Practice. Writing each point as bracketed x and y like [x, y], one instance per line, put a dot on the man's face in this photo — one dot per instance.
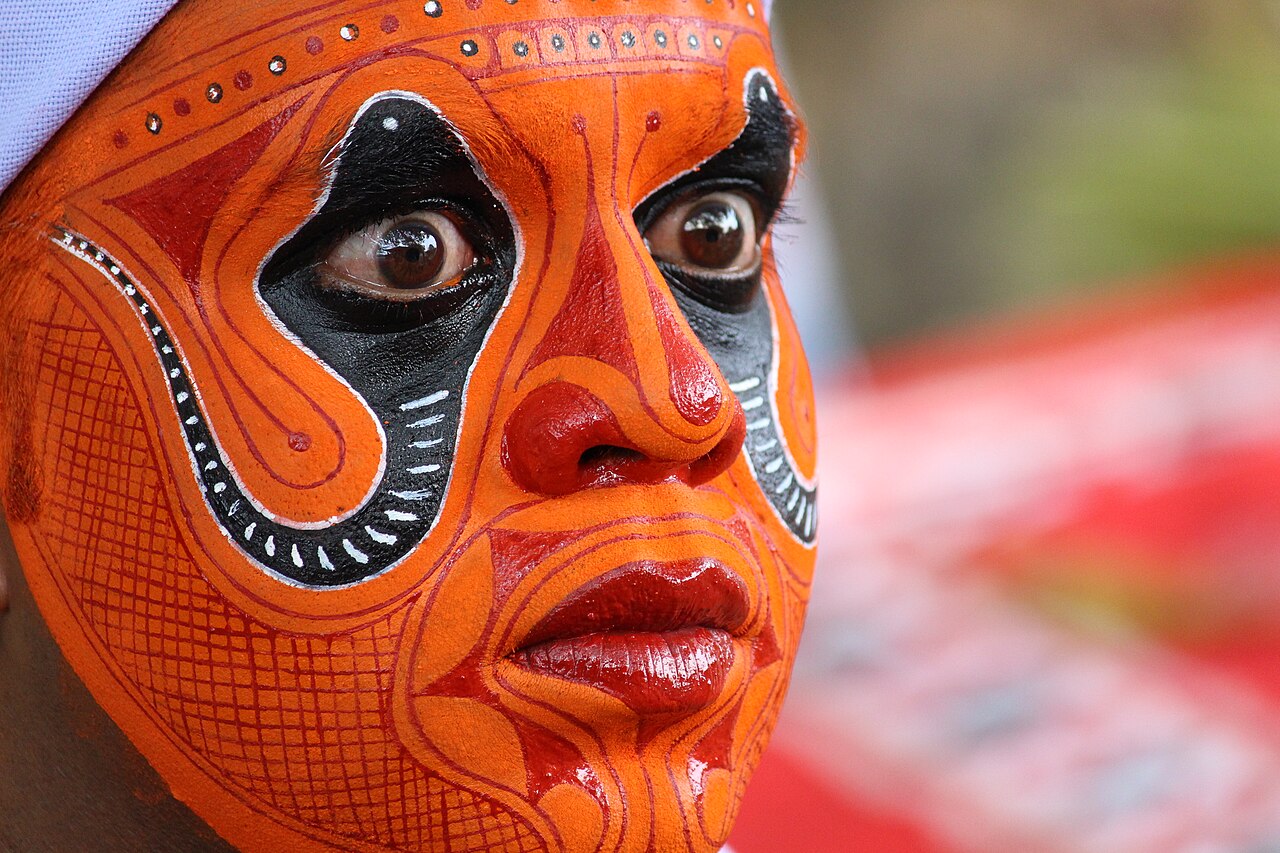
[419, 451]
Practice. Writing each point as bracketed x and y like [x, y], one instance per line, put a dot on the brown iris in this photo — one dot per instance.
[401, 259]
[712, 236]
[713, 232]
[410, 255]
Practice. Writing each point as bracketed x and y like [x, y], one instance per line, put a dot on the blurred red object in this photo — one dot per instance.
[1047, 614]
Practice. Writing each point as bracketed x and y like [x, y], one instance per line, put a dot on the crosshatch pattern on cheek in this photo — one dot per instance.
[285, 729]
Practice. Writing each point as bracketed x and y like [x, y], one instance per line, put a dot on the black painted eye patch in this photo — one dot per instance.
[759, 160]
[741, 340]
[409, 363]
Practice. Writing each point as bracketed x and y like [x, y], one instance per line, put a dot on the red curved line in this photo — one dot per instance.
[522, 603]
[275, 39]
[99, 645]
[196, 536]
[628, 230]
[457, 768]
[199, 345]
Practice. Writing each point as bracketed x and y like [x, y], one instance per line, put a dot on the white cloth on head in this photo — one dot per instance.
[53, 54]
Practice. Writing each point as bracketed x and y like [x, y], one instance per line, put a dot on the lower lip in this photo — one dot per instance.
[653, 673]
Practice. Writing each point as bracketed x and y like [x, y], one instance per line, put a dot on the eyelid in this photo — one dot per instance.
[674, 194]
[350, 263]
[664, 237]
[360, 219]
[690, 196]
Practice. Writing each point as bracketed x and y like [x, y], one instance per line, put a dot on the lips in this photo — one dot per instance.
[657, 636]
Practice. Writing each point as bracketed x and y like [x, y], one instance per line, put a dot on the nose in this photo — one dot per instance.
[563, 438]
[620, 390]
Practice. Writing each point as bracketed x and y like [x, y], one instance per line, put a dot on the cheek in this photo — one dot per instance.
[199, 684]
[796, 412]
[759, 354]
[580, 753]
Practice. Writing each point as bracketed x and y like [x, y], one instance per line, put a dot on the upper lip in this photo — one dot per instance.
[649, 596]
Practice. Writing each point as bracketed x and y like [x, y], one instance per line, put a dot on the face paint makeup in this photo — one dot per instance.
[414, 449]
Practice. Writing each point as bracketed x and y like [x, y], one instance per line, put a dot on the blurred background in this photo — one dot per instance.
[977, 156]
[1038, 271]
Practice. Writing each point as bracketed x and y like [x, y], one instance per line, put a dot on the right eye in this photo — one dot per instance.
[712, 233]
[402, 259]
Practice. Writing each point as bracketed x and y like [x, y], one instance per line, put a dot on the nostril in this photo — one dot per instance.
[607, 455]
[611, 465]
[562, 438]
[723, 454]
[605, 464]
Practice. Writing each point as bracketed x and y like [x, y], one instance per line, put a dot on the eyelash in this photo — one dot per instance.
[477, 233]
[489, 256]
[469, 221]
[656, 205]
[785, 213]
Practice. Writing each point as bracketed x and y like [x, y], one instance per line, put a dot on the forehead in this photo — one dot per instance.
[530, 59]
[271, 91]
[481, 37]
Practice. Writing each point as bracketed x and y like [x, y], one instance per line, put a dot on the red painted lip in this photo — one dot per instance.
[658, 636]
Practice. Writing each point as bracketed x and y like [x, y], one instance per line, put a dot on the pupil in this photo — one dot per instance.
[713, 236]
[410, 255]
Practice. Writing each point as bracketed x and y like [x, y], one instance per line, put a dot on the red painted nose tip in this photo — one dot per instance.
[562, 438]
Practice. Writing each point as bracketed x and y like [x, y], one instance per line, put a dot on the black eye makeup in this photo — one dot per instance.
[705, 232]
[394, 283]
[408, 232]
[705, 229]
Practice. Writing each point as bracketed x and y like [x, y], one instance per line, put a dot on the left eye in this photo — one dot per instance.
[713, 232]
[402, 259]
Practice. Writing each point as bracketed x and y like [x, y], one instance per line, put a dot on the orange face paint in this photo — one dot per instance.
[416, 450]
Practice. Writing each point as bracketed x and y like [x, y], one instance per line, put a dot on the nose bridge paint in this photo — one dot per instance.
[610, 300]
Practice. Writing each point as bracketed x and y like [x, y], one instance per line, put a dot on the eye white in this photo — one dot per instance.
[684, 234]
[401, 259]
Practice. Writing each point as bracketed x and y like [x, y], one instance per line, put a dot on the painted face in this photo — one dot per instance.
[414, 450]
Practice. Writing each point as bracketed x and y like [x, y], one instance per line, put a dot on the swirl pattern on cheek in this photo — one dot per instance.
[515, 559]
[416, 401]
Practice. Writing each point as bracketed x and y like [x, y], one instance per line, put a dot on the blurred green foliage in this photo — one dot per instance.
[1176, 163]
[981, 156]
